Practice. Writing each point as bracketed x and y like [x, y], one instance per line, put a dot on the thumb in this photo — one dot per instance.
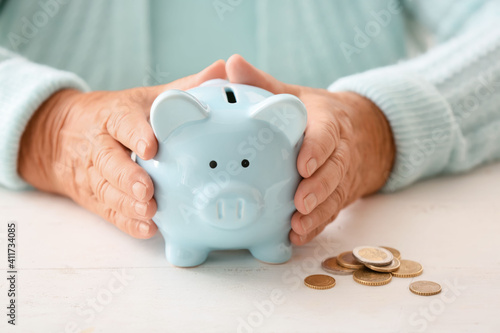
[240, 71]
[216, 70]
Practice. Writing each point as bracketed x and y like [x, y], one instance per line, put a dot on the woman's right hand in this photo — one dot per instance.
[78, 145]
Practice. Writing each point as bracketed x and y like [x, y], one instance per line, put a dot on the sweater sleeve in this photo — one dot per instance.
[24, 86]
[443, 106]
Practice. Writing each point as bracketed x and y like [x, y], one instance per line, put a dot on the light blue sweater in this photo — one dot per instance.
[443, 105]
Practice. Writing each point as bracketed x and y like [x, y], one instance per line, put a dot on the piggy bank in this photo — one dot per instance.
[225, 173]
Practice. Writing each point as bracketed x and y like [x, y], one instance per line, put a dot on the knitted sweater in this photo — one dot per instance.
[442, 102]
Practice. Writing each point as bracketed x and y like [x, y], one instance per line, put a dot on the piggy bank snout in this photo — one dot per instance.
[234, 207]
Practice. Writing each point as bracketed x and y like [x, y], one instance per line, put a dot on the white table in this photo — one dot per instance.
[76, 270]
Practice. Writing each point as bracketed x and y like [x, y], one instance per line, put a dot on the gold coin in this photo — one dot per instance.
[425, 288]
[394, 252]
[319, 281]
[347, 260]
[408, 268]
[331, 266]
[371, 278]
[394, 265]
[372, 255]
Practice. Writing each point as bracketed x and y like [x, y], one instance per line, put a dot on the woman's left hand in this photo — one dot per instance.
[347, 153]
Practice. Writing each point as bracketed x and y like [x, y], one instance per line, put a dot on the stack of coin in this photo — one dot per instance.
[374, 266]
[379, 263]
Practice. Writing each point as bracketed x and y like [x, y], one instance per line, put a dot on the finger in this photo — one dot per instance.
[216, 70]
[240, 71]
[304, 224]
[305, 229]
[301, 240]
[312, 191]
[321, 137]
[115, 165]
[131, 129]
[119, 201]
[135, 228]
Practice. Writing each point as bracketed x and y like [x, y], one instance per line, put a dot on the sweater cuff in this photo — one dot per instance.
[421, 120]
[23, 88]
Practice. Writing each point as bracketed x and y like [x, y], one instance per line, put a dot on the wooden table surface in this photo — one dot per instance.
[77, 273]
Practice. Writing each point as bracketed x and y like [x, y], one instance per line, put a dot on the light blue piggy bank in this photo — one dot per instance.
[225, 174]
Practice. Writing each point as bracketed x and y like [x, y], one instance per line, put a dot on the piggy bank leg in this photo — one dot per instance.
[183, 256]
[273, 252]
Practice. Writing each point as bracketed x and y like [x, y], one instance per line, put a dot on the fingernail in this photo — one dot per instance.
[141, 147]
[139, 190]
[306, 223]
[302, 238]
[311, 166]
[141, 208]
[144, 228]
[310, 202]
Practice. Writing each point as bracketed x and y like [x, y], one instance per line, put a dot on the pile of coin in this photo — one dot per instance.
[372, 266]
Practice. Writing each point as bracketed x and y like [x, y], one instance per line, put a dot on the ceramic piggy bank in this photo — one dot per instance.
[225, 173]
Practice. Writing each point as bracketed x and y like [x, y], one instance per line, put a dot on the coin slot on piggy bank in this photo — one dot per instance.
[230, 95]
[225, 173]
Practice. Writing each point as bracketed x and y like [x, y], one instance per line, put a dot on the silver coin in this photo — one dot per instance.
[373, 255]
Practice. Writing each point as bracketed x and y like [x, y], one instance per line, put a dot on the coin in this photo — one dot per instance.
[408, 268]
[371, 278]
[372, 255]
[394, 252]
[331, 266]
[319, 281]
[425, 288]
[394, 265]
[347, 260]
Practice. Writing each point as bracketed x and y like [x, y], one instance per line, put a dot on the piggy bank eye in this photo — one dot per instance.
[213, 164]
[245, 163]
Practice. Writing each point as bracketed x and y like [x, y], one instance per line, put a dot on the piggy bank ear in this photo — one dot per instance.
[285, 112]
[172, 109]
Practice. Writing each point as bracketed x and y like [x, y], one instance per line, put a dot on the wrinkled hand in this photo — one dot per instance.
[78, 145]
[347, 153]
